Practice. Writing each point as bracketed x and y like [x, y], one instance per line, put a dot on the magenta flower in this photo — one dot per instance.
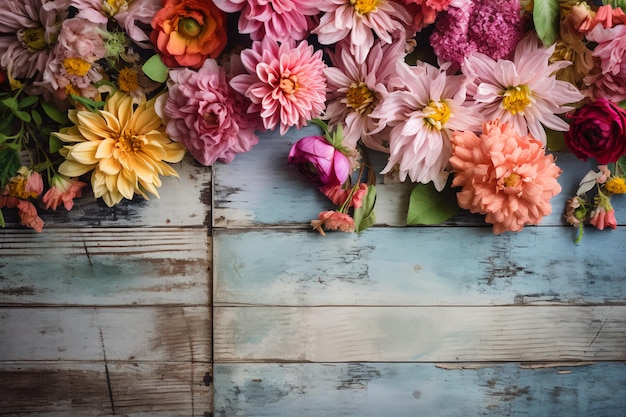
[285, 83]
[63, 191]
[597, 130]
[279, 20]
[319, 161]
[206, 115]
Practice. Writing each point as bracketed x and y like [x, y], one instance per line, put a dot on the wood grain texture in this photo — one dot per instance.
[409, 390]
[419, 334]
[61, 389]
[260, 188]
[419, 266]
[161, 333]
[105, 266]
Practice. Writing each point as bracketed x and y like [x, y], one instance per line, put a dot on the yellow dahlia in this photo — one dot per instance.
[126, 147]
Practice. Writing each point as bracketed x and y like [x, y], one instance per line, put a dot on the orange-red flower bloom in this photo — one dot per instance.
[187, 32]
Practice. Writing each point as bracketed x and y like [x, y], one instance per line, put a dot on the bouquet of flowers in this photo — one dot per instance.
[465, 98]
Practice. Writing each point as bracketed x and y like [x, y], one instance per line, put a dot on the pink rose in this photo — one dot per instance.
[598, 130]
[319, 161]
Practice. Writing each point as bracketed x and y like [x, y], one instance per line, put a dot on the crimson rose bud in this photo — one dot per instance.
[319, 161]
[598, 130]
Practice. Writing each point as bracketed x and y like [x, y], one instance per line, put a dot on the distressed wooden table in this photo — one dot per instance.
[219, 300]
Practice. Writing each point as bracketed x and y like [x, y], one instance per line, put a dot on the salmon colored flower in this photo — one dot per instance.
[333, 220]
[187, 32]
[63, 191]
[503, 175]
[602, 218]
[26, 211]
[26, 184]
[124, 145]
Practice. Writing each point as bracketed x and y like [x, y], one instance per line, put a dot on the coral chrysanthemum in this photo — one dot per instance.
[285, 83]
[125, 146]
[524, 92]
[506, 176]
[423, 114]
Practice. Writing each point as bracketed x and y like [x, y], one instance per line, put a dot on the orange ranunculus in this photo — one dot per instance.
[187, 32]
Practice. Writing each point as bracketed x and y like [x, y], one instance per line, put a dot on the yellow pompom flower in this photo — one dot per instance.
[125, 146]
[616, 185]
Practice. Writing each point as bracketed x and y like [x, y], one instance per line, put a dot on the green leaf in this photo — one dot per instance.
[621, 166]
[54, 113]
[28, 101]
[54, 143]
[156, 69]
[1, 219]
[22, 115]
[36, 118]
[429, 206]
[546, 15]
[556, 140]
[10, 103]
[365, 216]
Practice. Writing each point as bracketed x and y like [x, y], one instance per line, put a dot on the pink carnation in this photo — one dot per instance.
[63, 191]
[285, 83]
[602, 218]
[333, 220]
[206, 115]
[26, 211]
[504, 175]
[610, 81]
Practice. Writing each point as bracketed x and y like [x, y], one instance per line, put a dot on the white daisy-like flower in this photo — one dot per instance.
[524, 92]
[424, 113]
[361, 20]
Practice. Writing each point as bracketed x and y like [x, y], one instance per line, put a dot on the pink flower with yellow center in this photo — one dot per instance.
[503, 175]
[285, 83]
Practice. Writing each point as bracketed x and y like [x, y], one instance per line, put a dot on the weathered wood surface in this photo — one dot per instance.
[108, 311]
[409, 390]
[440, 320]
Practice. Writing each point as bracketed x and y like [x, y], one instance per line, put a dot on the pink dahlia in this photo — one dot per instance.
[285, 83]
[354, 91]
[28, 31]
[280, 20]
[206, 115]
[610, 81]
[504, 175]
[491, 27]
[423, 113]
[361, 21]
[129, 14]
[523, 92]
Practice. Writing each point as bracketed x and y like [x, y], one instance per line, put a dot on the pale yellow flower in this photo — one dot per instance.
[126, 147]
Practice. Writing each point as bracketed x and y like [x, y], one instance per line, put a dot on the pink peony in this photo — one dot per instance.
[206, 115]
[63, 190]
[279, 20]
[597, 130]
[610, 81]
[319, 161]
[285, 83]
[504, 175]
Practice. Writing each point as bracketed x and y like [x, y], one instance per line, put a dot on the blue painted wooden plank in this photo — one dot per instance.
[419, 266]
[409, 390]
[261, 188]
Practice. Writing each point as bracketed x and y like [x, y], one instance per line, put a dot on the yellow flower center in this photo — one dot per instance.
[129, 142]
[289, 84]
[34, 38]
[616, 185]
[127, 80]
[516, 99]
[364, 7]
[17, 188]
[360, 97]
[70, 90]
[437, 114]
[113, 7]
[76, 66]
[189, 27]
[512, 180]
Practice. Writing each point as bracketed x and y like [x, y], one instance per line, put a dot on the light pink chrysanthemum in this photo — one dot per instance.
[361, 20]
[28, 31]
[285, 83]
[610, 80]
[523, 92]
[129, 14]
[423, 115]
[280, 20]
[354, 90]
[206, 115]
[504, 175]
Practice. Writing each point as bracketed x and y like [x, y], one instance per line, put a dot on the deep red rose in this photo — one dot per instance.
[598, 130]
